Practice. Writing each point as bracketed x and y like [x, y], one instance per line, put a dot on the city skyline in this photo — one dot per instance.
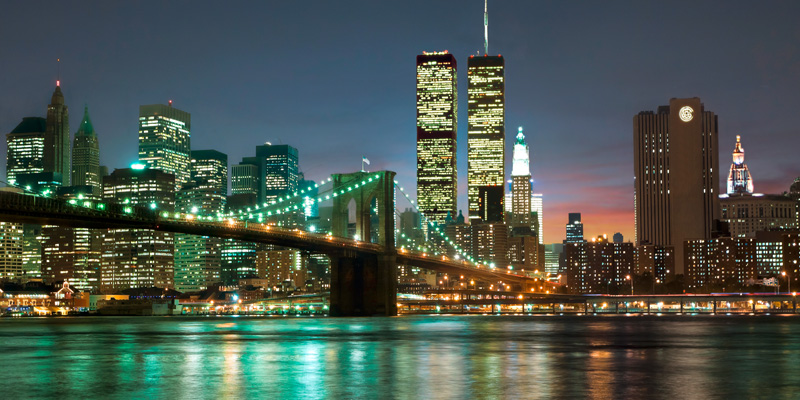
[586, 173]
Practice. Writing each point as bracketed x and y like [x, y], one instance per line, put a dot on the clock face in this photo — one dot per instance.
[686, 113]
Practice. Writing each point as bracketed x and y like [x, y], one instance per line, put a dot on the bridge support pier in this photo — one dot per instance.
[363, 286]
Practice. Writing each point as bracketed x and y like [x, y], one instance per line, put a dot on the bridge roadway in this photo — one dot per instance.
[21, 208]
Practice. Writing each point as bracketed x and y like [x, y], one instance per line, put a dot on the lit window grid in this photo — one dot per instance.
[437, 178]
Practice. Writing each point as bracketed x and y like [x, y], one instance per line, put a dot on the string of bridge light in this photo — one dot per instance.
[435, 227]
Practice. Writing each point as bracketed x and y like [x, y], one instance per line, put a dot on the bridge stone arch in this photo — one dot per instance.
[363, 187]
[364, 284]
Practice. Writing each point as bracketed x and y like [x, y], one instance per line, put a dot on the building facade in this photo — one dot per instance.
[485, 137]
[25, 146]
[165, 140]
[747, 213]
[676, 170]
[56, 155]
[86, 156]
[136, 258]
[437, 129]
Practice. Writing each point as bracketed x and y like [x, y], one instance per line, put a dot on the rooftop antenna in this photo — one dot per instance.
[58, 73]
[485, 26]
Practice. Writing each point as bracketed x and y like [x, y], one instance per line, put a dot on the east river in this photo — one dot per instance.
[410, 357]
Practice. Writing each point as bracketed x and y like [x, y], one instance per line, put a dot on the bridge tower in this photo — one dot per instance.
[365, 285]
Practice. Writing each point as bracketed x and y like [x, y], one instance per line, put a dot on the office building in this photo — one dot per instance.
[11, 262]
[25, 148]
[86, 156]
[198, 259]
[165, 140]
[574, 229]
[485, 137]
[273, 172]
[437, 128]
[676, 171]
[56, 157]
[136, 258]
[746, 214]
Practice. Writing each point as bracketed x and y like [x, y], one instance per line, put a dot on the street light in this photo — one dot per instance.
[629, 277]
[788, 282]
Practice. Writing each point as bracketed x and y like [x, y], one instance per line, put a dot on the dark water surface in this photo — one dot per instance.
[421, 357]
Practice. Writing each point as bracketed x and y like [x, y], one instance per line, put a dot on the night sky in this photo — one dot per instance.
[336, 79]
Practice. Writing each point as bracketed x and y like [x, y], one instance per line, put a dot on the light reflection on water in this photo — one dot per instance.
[606, 357]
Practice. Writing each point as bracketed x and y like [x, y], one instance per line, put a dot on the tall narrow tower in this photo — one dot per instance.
[521, 182]
[485, 138]
[739, 178]
[56, 138]
[676, 167]
[86, 156]
[486, 133]
[437, 115]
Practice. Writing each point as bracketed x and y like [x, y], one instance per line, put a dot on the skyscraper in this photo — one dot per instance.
[574, 229]
[437, 126]
[739, 178]
[25, 148]
[56, 138]
[133, 258]
[521, 182]
[86, 156]
[164, 140]
[486, 136]
[676, 167]
[273, 172]
[198, 259]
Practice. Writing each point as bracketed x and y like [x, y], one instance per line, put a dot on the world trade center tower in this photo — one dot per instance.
[437, 115]
[486, 137]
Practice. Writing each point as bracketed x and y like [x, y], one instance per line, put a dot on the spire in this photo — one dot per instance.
[520, 162]
[485, 26]
[58, 97]
[739, 179]
[86, 128]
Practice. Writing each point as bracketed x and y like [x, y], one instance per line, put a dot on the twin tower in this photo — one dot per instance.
[437, 115]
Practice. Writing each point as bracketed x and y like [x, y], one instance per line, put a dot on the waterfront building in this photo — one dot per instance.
[135, 258]
[736, 263]
[596, 265]
[721, 263]
[165, 140]
[739, 178]
[485, 137]
[656, 261]
[25, 144]
[437, 129]
[56, 155]
[676, 171]
[11, 262]
[284, 269]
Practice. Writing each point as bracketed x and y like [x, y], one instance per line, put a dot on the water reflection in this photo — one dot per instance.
[407, 357]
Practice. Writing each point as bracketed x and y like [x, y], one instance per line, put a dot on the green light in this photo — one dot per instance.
[101, 206]
[128, 210]
[138, 166]
[153, 206]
